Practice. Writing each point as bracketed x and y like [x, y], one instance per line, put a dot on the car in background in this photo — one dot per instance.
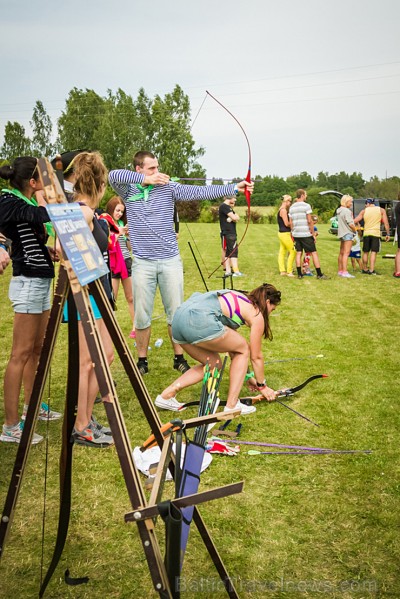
[358, 205]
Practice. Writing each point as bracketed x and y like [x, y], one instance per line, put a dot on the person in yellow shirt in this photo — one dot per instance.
[373, 216]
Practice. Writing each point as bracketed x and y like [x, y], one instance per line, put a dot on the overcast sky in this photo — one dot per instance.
[315, 84]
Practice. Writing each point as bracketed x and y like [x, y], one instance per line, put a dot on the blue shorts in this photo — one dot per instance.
[347, 237]
[29, 295]
[95, 309]
[355, 254]
[198, 319]
[146, 276]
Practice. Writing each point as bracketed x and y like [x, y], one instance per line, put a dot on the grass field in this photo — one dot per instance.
[305, 526]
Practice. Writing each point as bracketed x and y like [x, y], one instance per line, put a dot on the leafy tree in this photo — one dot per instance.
[172, 141]
[301, 181]
[342, 182]
[320, 203]
[268, 191]
[42, 129]
[16, 143]
[388, 188]
[356, 182]
[79, 123]
[143, 107]
[322, 180]
[118, 130]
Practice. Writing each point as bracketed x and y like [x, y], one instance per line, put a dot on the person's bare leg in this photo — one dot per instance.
[25, 334]
[340, 259]
[29, 373]
[223, 258]
[178, 351]
[315, 259]
[345, 254]
[127, 287]
[142, 341]
[115, 287]
[234, 264]
[231, 342]
[397, 261]
[85, 381]
[93, 386]
[372, 261]
[365, 260]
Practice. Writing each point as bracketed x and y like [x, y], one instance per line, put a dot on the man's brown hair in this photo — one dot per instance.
[139, 157]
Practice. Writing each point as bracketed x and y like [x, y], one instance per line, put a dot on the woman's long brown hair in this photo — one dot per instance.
[112, 204]
[259, 297]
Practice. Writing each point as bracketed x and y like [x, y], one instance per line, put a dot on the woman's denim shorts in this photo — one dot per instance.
[198, 319]
[30, 295]
[347, 237]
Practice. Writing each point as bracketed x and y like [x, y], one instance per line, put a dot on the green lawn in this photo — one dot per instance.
[305, 526]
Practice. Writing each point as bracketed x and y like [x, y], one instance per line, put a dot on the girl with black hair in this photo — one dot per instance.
[207, 324]
[23, 221]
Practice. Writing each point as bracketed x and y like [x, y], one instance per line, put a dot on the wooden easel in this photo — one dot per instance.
[143, 511]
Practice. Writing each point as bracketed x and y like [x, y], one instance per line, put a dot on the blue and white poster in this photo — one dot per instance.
[78, 242]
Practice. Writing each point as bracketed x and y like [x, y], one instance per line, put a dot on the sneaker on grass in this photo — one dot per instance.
[181, 366]
[168, 404]
[44, 413]
[91, 437]
[95, 424]
[244, 410]
[143, 367]
[13, 434]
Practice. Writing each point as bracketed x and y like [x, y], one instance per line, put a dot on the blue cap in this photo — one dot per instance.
[370, 201]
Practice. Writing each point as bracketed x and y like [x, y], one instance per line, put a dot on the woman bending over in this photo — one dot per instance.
[206, 324]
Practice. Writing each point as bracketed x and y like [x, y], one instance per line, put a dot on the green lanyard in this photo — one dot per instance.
[31, 202]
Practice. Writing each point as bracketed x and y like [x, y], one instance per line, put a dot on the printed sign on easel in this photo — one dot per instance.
[78, 242]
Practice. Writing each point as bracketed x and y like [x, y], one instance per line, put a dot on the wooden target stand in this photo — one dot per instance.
[144, 511]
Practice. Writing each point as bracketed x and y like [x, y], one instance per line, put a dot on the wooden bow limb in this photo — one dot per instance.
[170, 427]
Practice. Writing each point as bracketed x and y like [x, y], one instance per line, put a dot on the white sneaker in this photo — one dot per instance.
[243, 408]
[237, 274]
[14, 434]
[44, 413]
[347, 275]
[168, 404]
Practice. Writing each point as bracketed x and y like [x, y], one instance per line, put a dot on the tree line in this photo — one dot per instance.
[117, 125]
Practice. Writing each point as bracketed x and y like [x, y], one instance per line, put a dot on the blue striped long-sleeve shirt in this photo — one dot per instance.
[150, 222]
